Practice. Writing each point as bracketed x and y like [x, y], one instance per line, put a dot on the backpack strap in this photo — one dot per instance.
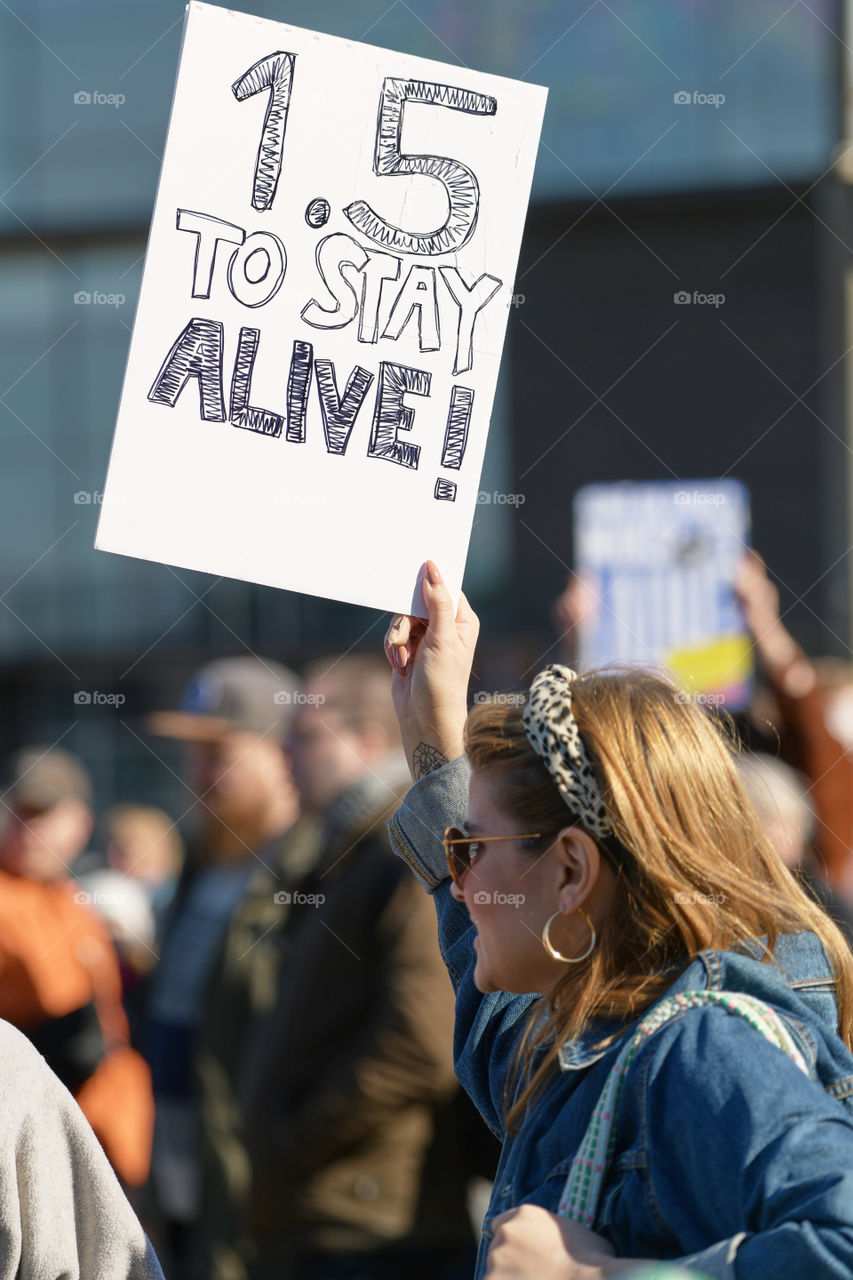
[581, 1194]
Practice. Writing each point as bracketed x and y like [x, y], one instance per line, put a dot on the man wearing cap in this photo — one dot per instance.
[233, 717]
[59, 974]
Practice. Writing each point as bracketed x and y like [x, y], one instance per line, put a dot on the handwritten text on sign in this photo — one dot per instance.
[327, 282]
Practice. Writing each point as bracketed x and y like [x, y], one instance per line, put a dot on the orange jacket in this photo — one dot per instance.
[55, 958]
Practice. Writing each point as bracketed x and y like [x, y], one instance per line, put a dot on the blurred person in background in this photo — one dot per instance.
[125, 909]
[578, 600]
[348, 1087]
[241, 988]
[144, 854]
[812, 715]
[143, 842]
[59, 974]
[232, 717]
[780, 798]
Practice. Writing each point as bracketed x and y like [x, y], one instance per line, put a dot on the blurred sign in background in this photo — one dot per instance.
[658, 562]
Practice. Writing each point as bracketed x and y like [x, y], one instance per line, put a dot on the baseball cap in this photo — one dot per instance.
[44, 776]
[254, 694]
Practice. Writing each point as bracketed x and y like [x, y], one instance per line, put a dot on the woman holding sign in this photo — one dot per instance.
[677, 1091]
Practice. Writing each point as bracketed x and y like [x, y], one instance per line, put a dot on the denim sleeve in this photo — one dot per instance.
[417, 829]
[487, 1026]
[716, 1263]
[742, 1148]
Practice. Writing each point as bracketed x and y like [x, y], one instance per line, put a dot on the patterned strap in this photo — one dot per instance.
[583, 1185]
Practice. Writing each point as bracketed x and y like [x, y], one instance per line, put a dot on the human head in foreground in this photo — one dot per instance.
[617, 841]
[641, 849]
[611, 858]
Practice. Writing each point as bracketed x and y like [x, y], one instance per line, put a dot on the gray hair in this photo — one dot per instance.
[780, 797]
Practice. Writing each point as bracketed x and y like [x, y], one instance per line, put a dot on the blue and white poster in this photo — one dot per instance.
[657, 563]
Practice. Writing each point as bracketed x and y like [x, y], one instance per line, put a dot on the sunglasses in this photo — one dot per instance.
[462, 849]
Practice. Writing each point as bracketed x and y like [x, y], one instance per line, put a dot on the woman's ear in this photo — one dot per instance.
[580, 866]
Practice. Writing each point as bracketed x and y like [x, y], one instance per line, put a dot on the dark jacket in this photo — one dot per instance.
[241, 989]
[350, 1071]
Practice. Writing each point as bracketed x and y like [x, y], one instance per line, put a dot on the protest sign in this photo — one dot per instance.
[316, 345]
[657, 564]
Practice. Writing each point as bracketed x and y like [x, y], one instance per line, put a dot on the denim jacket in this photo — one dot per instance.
[727, 1157]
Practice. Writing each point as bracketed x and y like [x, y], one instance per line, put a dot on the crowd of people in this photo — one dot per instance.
[249, 1044]
[256, 1028]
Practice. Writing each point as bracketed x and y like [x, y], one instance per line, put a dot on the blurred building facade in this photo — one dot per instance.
[687, 151]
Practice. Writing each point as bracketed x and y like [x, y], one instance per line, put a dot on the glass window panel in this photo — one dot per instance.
[611, 124]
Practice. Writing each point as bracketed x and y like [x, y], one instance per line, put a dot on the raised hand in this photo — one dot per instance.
[432, 665]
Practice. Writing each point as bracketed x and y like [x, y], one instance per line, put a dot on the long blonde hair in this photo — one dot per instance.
[694, 869]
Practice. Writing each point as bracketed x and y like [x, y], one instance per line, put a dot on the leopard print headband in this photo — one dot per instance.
[553, 734]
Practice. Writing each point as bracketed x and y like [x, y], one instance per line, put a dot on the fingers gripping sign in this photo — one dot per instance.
[432, 661]
[397, 640]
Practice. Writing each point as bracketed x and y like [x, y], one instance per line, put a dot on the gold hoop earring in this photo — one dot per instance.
[552, 950]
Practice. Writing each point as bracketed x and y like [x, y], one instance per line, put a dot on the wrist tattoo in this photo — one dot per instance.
[426, 759]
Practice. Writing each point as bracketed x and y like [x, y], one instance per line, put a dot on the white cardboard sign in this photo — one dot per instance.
[322, 312]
